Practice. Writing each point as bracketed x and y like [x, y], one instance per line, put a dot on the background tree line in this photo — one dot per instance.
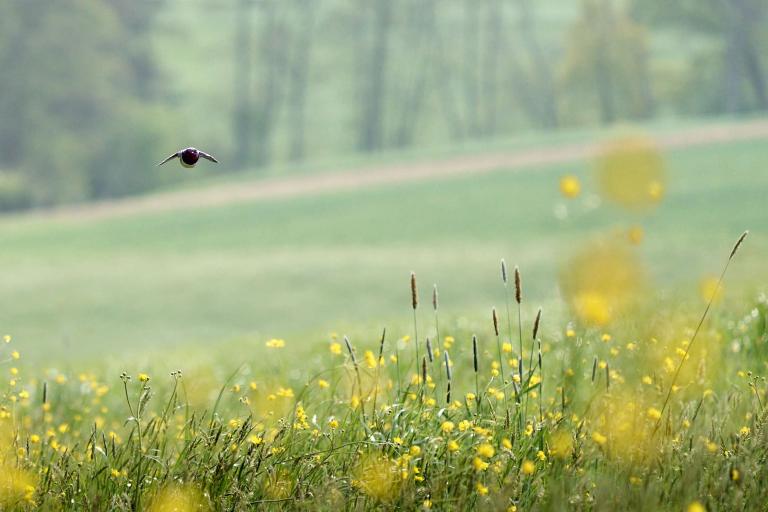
[94, 92]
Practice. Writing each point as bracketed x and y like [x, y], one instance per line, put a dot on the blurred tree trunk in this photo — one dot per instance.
[274, 41]
[300, 78]
[647, 99]
[491, 62]
[542, 72]
[756, 75]
[471, 57]
[732, 82]
[746, 16]
[444, 78]
[371, 131]
[602, 65]
[421, 36]
[242, 113]
[18, 19]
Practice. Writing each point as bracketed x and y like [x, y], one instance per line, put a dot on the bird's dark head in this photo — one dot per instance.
[190, 156]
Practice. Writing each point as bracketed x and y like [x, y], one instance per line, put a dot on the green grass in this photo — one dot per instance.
[306, 266]
[328, 432]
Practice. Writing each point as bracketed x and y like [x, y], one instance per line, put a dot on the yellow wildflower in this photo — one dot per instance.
[528, 467]
[570, 187]
[486, 450]
[275, 343]
[479, 464]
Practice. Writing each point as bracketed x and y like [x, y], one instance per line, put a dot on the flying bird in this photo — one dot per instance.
[188, 157]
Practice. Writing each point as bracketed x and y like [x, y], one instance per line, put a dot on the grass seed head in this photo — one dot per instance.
[381, 343]
[738, 244]
[536, 324]
[351, 352]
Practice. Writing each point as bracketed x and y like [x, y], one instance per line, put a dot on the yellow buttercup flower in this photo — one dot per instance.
[275, 343]
[528, 467]
[570, 187]
[486, 450]
[479, 464]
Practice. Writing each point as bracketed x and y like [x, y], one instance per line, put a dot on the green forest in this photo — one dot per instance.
[94, 93]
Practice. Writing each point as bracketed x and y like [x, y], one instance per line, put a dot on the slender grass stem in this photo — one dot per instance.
[698, 327]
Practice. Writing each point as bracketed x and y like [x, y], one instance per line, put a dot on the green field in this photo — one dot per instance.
[300, 268]
[644, 412]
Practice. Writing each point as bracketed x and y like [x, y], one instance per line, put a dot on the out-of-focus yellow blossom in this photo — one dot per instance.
[275, 343]
[599, 438]
[479, 464]
[377, 476]
[177, 498]
[486, 450]
[528, 467]
[570, 186]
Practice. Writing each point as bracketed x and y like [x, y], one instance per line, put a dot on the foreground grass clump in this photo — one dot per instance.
[667, 416]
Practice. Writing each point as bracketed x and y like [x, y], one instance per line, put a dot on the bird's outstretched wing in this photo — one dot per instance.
[207, 156]
[175, 155]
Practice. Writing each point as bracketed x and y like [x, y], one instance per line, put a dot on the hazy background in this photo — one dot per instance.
[93, 93]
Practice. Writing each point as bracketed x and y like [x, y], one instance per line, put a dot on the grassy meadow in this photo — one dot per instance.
[195, 359]
[307, 266]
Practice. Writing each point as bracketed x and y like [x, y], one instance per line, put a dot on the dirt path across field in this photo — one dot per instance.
[467, 165]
